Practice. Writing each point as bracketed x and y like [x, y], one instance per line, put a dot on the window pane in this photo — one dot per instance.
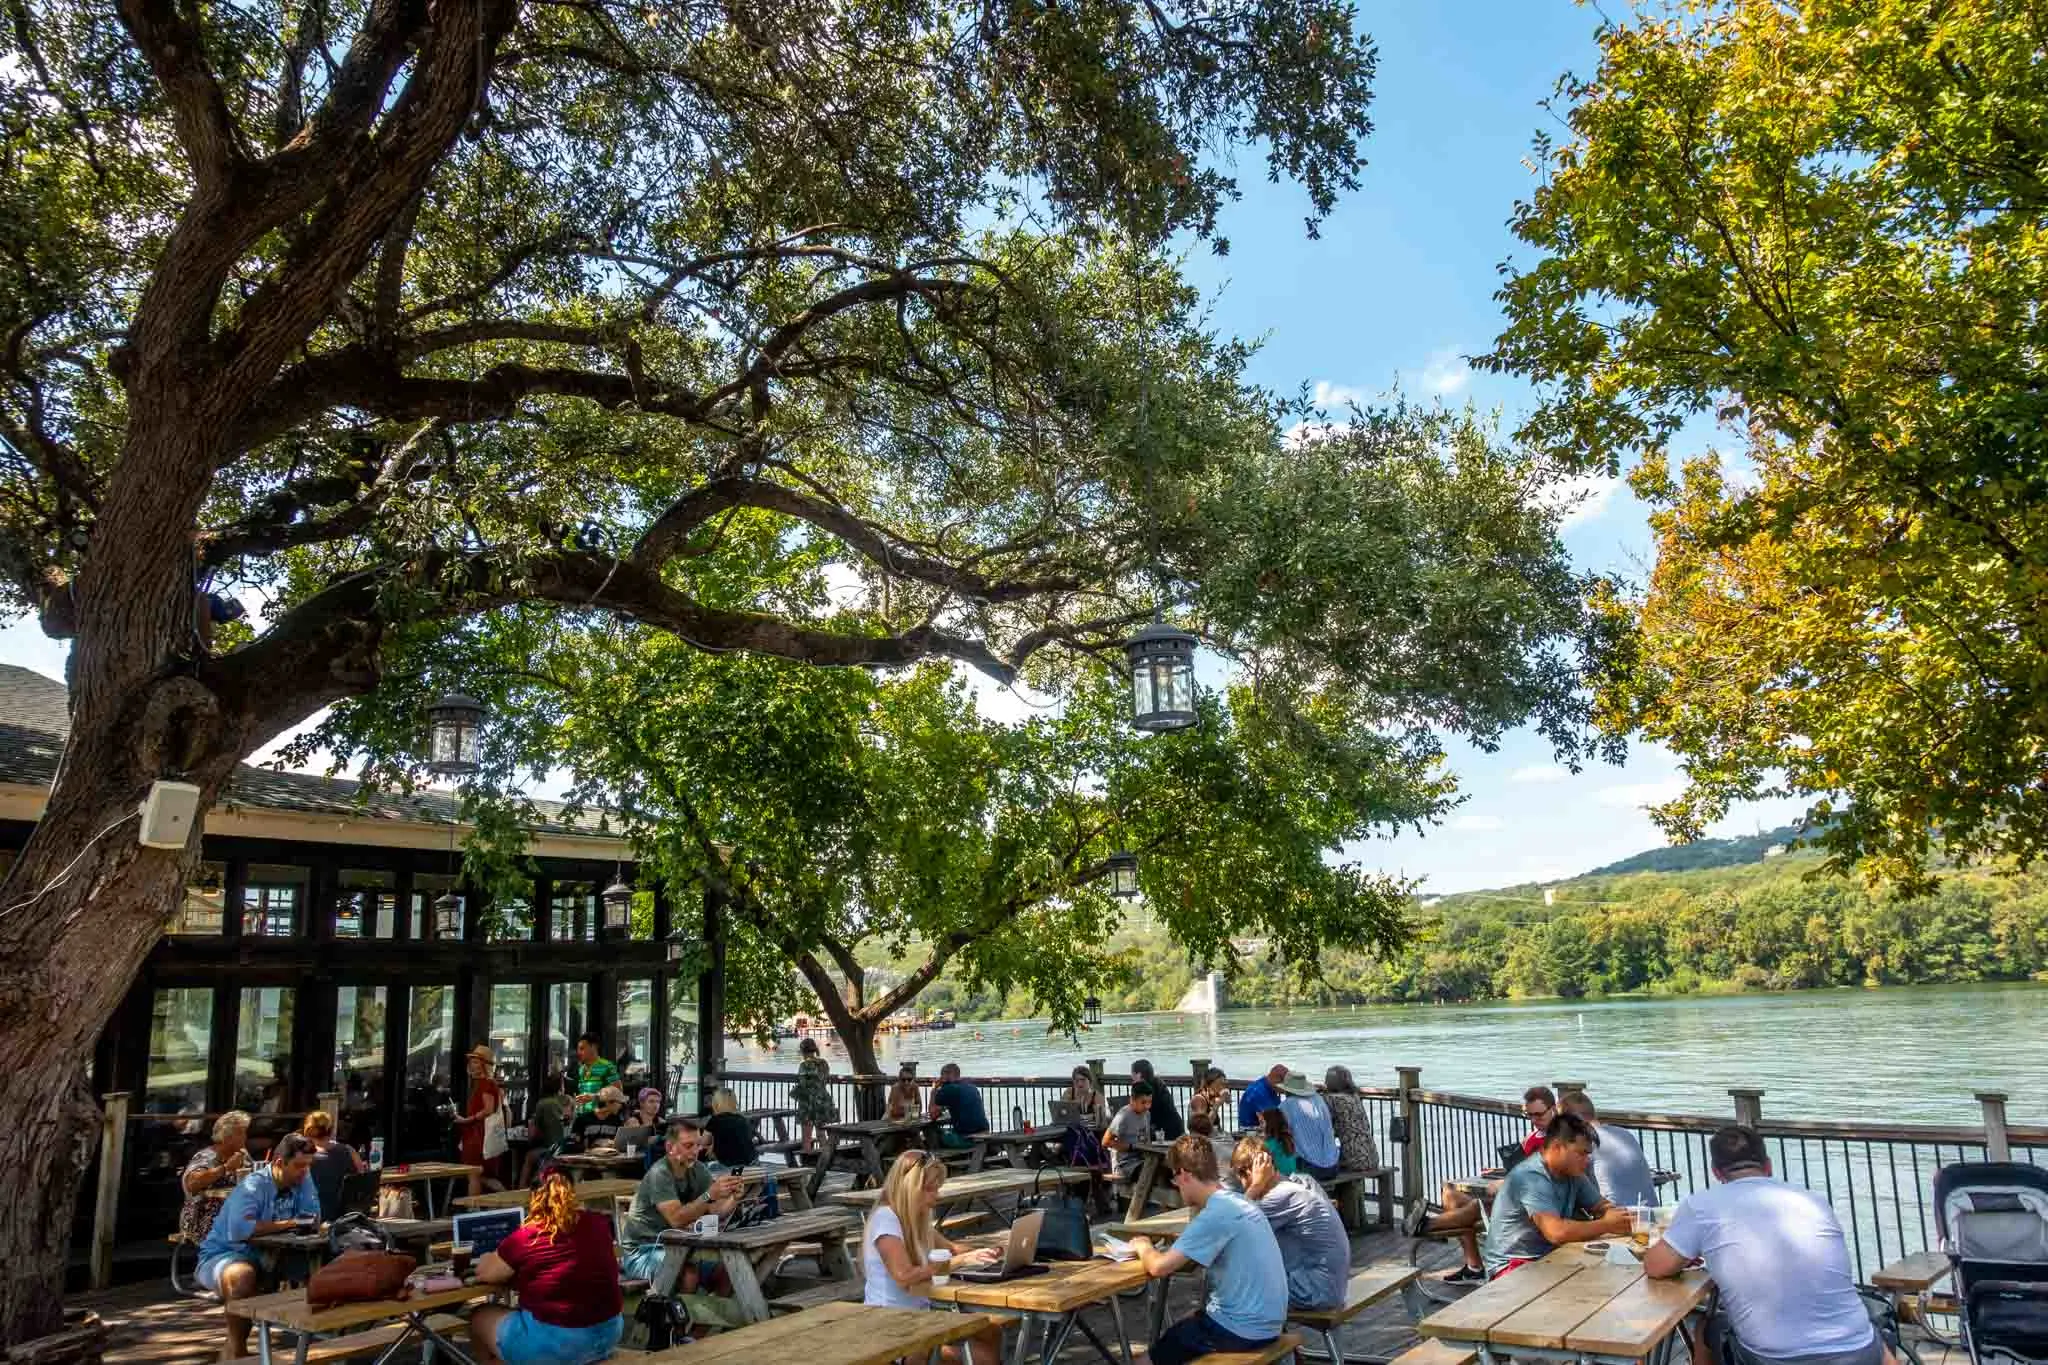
[424, 1127]
[180, 1038]
[574, 906]
[566, 1014]
[205, 900]
[359, 1061]
[427, 887]
[367, 904]
[634, 1036]
[509, 1025]
[263, 1050]
[273, 901]
[511, 918]
[681, 1087]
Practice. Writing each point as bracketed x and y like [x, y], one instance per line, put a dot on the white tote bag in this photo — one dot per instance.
[494, 1135]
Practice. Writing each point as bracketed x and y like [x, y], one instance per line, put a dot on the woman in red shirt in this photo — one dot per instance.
[486, 1097]
[566, 1274]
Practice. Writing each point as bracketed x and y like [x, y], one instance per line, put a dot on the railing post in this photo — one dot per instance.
[1411, 1120]
[1749, 1106]
[1094, 1065]
[1198, 1067]
[1996, 1147]
[107, 1201]
[1564, 1087]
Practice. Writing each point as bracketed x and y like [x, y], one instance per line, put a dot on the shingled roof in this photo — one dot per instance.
[35, 718]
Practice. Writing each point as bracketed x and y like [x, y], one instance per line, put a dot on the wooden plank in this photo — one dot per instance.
[1632, 1322]
[1915, 1274]
[107, 1197]
[1172, 1223]
[1469, 1318]
[1264, 1355]
[290, 1309]
[1547, 1320]
[835, 1334]
[1067, 1286]
[979, 1185]
[1365, 1288]
[1432, 1352]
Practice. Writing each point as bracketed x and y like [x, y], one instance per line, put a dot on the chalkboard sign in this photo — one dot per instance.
[483, 1231]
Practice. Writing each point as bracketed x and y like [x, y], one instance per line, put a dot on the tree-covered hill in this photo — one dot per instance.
[1703, 853]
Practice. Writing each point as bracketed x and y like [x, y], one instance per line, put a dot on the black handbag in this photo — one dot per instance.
[1063, 1228]
[666, 1319]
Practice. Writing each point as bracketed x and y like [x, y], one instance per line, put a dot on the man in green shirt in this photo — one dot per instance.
[593, 1073]
[674, 1194]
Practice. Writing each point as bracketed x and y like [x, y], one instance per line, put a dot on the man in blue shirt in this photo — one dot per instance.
[268, 1199]
[1247, 1304]
[1549, 1200]
[1261, 1095]
[1308, 1120]
[963, 1102]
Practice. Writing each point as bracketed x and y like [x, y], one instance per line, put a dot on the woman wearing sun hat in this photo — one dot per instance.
[486, 1097]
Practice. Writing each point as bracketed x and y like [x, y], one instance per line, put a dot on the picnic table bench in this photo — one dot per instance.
[424, 1174]
[1571, 1305]
[406, 1318]
[982, 1187]
[1365, 1288]
[1909, 1283]
[1053, 1302]
[594, 1165]
[1347, 1188]
[860, 1145]
[588, 1193]
[834, 1334]
[750, 1254]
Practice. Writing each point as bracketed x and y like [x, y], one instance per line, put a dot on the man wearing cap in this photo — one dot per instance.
[1308, 1119]
[486, 1097]
[602, 1123]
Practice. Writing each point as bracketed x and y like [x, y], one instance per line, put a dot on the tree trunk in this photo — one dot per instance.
[858, 1034]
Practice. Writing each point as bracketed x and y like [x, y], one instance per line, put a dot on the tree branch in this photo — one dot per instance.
[199, 112]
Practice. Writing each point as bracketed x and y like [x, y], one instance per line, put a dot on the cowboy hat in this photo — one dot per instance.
[1296, 1084]
[482, 1052]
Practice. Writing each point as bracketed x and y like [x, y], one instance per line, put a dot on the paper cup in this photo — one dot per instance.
[942, 1264]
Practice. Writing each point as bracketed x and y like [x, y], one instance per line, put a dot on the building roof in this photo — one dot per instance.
[35, 717]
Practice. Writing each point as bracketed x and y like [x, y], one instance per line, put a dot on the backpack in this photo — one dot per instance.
[666, 1318]
[1082, 1147]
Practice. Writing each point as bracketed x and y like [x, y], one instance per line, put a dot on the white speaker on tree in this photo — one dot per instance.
[167, 814]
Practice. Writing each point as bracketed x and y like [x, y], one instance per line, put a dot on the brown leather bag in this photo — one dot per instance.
[359, 1277]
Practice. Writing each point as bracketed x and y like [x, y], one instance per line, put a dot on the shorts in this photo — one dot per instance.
[1194, 1337]
[524, 1339]
[1514, 1263]
[208, 1273]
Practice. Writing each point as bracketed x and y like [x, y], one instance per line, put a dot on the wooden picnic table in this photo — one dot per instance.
[582, 1166]
[588, 1193]
[1571, 1305]
[1152, 1156]
[834, 1334]
[425, 1173]
[290, 1311]
[779, 1117]
[789, 1186]
[1159, 1226]
[867, 1137]
[1053, 1302]
[1020, 1146]
[749, 1254]
[982, 1187]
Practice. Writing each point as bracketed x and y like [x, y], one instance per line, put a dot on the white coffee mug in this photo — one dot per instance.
[707, 1224]
[942, 1264]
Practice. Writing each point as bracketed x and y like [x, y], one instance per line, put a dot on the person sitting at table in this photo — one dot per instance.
[1089, 1105]
[331, 1161]
[549, 1126]
[1619, 1167]
[593, 1073]
[1356, 1150]
[486, 1097]
[561, 1264]
[961, 1100]
[211, 1169]
[1463, 1213]
[647, 1108]
[1309, 1124]
[904, 1101]
[1213, 1097]
[1166, 1120]
[269, 1199]
[812, 1094]
[1279, 1140]
[1247, 1303]
[599, 1126]
[1131, 1126]
[1539, 1105]
[675, 1194]
[1313, 1243]
[1778, 1258]
[731, 1132]
[1549, 1200]
[1261, 1095]
[897, 1241]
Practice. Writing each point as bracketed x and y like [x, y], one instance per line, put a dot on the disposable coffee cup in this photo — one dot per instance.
[942, 1264]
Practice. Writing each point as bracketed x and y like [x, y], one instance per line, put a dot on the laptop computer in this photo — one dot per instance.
[1020, 1255]
[357, 1194]
[1065, 1111]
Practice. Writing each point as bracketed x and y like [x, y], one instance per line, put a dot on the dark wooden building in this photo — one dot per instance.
[305, 962]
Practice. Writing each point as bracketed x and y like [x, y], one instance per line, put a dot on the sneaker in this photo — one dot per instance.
[1466, 1274]
[1414, 1218]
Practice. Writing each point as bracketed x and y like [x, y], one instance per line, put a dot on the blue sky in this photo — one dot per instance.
[1398, 289]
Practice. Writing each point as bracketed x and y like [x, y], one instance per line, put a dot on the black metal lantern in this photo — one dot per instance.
[618, 903]
[1123, 874]
[447, 915]
[1091, 1011]
[1162, 677]
[678, 950]
[455, 723]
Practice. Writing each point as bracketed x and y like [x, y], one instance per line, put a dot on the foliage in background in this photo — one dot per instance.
[1826, 224]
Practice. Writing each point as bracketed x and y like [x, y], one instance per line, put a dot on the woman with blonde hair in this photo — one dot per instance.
[901, 1234]
[732, 1133]
[562, 1265]
[212, 1172]
[331, 1162]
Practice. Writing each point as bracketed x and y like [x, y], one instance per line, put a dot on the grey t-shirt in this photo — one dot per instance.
[1530, 1188]
[1312, 1242]
[1620, 1169]
[1131, 1128]
[644, 1222]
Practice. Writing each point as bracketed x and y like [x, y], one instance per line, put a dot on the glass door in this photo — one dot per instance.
[359, 1018]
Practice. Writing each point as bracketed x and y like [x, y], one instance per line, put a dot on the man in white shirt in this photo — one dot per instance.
[1778, 1256]
[1619, 1167]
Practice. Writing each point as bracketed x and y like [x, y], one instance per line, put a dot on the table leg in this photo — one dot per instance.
[825, 1160]
[871, 1156]
[1123, 1338]
[746, 1287]
[833, 1259]
[977, 1156]
[263, 1342]
[1021, 1351]
[1141, 1189]
[673, 1259]
[1157, 1289]
[799, 1195]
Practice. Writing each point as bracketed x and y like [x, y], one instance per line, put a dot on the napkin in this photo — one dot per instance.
[1622, 1253]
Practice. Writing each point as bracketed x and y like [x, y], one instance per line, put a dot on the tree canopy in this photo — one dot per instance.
[1821, 224]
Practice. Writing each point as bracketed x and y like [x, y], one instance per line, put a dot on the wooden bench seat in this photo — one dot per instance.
[1434, 1351]
[1286, 1346]
[1915, 1274]
[816, 1296]
[370, 1342]
[1365, 1288]
[1348, 1189]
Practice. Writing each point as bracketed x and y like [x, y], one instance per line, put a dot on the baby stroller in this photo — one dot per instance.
[1993, 1220]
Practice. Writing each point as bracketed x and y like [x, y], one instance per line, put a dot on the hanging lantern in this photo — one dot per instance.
[1123, 874]
[448, 915]
[680, 949]
[1091, 1011]
[618, 903]
[455, 723]
[1162, 677]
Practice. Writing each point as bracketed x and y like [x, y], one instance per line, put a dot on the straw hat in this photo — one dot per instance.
[482, 1052]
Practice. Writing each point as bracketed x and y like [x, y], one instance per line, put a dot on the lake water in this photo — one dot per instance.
[1907, 1055]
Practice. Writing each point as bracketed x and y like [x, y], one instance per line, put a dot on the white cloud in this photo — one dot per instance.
[1581, 498]
[1636, 795]
[1478, 824]
[1446, 372]
[1330, 396]
[1539, 772]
